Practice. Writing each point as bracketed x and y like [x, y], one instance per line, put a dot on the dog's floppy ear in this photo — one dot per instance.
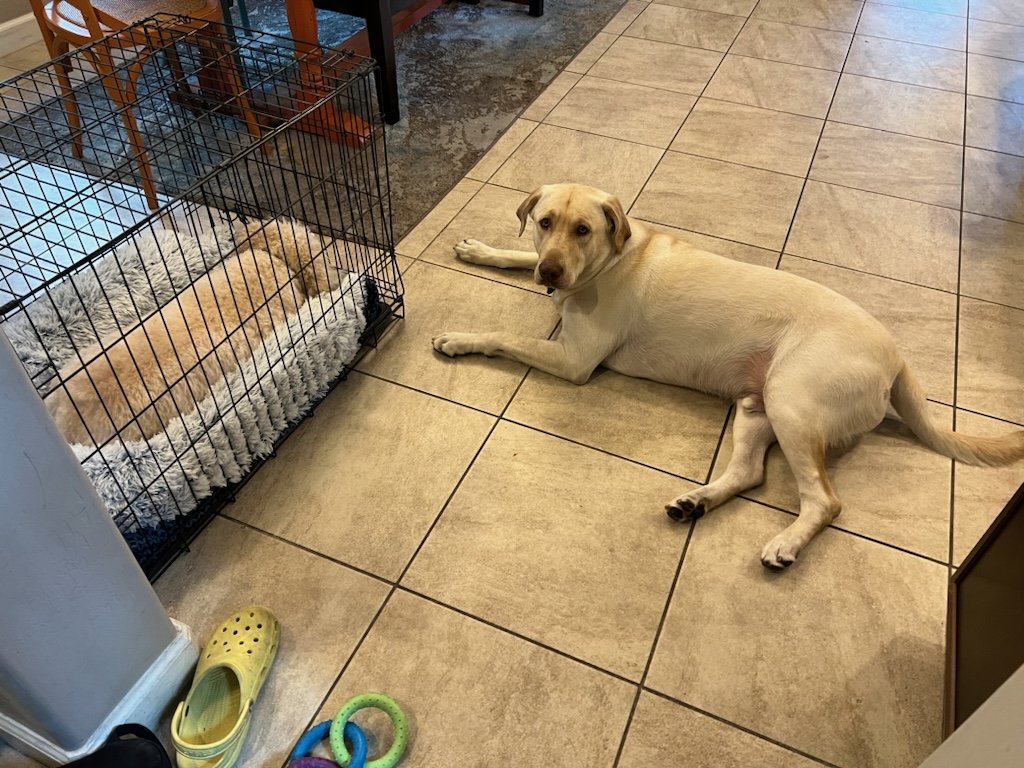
[618, 222]
[525, 207]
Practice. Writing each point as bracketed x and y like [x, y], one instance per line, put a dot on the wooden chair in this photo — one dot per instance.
[67, 24]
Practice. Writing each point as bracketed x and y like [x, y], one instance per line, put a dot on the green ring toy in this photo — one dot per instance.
[370, 701]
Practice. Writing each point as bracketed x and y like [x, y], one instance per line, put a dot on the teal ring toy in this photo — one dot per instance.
[299, 757]
[370, 701]
[310, 739]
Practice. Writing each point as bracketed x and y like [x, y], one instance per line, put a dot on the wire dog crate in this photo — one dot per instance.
[195, 246]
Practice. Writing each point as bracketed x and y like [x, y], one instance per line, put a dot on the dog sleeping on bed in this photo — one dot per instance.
[806, 367]
[166, 365]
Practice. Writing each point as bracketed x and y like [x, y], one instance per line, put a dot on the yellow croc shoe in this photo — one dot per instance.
[209, 726]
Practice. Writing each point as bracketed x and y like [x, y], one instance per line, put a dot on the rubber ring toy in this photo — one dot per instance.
[370, 701]
[310, 739]
[353, 733]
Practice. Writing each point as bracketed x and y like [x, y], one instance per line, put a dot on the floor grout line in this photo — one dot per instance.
[956, 327]
[745, 729]
[817, 145]
[654, 644]
[513, 633]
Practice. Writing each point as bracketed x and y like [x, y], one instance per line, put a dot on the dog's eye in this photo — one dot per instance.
[545, 223]
[582, 229]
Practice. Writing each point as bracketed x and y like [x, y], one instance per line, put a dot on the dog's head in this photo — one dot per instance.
[308, 256]
[577, 232]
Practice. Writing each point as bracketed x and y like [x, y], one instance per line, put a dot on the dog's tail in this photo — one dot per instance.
[909, 402]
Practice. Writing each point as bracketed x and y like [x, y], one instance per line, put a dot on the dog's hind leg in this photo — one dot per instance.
[752, 435]
[475, 252]
[812, 408]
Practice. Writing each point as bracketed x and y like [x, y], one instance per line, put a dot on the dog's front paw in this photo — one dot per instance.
[781, 552]
[473, 251]
[454, 344]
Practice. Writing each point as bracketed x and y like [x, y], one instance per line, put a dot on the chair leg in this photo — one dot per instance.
[230, 77]
[59, 48]
[536, 7]
[382, 47]
[123, 96]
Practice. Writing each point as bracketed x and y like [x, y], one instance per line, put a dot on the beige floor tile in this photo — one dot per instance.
[586, 58]
[442, 213]
[995, 78]
[622, 111]
[667, 427]
[891, 163]
[751, 254]
[893, 489]
[873, 233]
[980, 493]
[658, 65]
[550, 96]
[1002, 11]
[625, 16]
[26, 58]
[720, 199]
[489, 217]
[954, 7]
[762, 138]
[922, 320]
[994, 184]
[992, 260]
[502, 149]
[735, 7]
[475, 695]
[1001, 40]
[914, 26]
[898, 107]
[991, 370]
[404, 262]
[793, 44]
[6, 73]
[439, 300]
[685, 26]
[363, 481]
[840, 15]
[910, 63]
[552, 554]
[995, 125]
[231, 566]
[854, 629]
[773, 85]
[551, 154]
[662, 731]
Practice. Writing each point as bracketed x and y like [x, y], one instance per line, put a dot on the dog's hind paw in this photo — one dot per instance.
[683, 509]
[779, 553]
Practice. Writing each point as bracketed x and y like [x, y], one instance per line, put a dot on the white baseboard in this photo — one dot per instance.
[15, 34]
[145, 703]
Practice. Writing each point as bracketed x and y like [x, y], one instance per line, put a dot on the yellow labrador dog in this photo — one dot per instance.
[806, 366]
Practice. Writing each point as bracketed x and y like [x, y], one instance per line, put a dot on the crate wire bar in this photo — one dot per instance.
[195, 246]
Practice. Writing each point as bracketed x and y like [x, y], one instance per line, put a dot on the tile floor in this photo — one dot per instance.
[486, 543]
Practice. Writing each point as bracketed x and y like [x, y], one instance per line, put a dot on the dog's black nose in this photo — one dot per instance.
[550, 271]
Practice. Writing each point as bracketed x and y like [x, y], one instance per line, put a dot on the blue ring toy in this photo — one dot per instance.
[353, 733]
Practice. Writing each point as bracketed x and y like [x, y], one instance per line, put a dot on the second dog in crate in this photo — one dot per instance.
[163, 367]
